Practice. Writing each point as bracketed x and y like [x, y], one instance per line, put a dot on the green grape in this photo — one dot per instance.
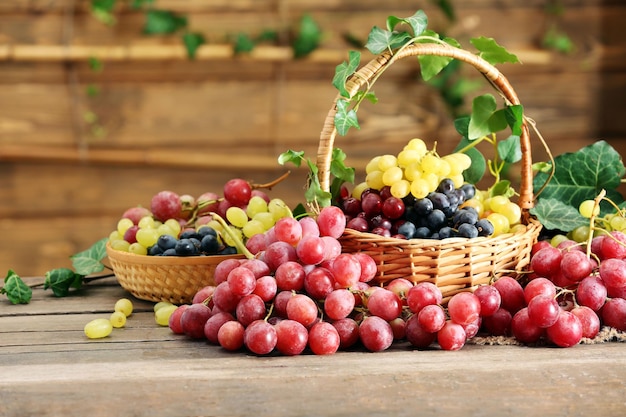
[588, 208]
[580, 234]
[420, 188]
[161, 304]
[236, 216]
[497, 203]
[407, 157]
[392, 175]
[120, 244]
[375, 180]
[358, 190]
[430, 163]
[372, 165]
[147, 237]
[174, 225]
[137, 249]
[454, 163]
[618, 223]
[279, 209]
[432, 179]
[413, 171]
[257, 204]
[237, 233]
[115, 235]
[253, 227]
[146, 222]
[165, 229]
[512, 212]
[418, 145]
[400, 189]
[444, 169]
[98, 328]
[123, 225]
[267, 219]
[558, 238]
[124, 306]
[500, 223]
[387, 161]
[162, 315]
[117, 319]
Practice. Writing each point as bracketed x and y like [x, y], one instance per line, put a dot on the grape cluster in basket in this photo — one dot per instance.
[418, 194]
[181, 225]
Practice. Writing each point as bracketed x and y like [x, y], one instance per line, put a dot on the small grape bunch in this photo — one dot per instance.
[102, 327]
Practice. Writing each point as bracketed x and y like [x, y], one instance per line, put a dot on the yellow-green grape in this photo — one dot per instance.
[174, 226]
[165, 229]
[444, 169]
[580, 234]
[588, 208]
[161, 304]
[279, 209]
[215, 225]
[372, 165]
[115, 235]
[476, 204]
[117, 319]
[120, 245]
[558, 238]
[407, 157]
[267, 219]
[137, 249]
[512, 211]
[146, 222]
[518, 228]
[147, 237]
[400, 189]
[375, 180]
[458, 180]
[618, 223]
[236, 216]
[500, 223]
[124, 306]
[413, 171]
[162, 315]
[238, 234]
[123, 225]
[98, 328]
[454, 163]
[387, 161]
[420, 188]
[392, 175]
[418, 145]
[497, 203]
[253, 227]
[358, 190]
[430, 163]
[432, 179]
[257, 204]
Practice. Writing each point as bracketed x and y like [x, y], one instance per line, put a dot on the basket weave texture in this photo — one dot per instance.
[453, 264]
[164, 278]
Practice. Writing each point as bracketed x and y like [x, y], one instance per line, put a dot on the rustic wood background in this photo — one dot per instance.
[189, 126]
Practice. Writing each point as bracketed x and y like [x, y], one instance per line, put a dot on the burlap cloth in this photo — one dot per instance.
[606, 334]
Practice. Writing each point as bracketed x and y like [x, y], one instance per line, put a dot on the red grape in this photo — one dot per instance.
[290, 276]
[289, 230]
[348, 330]
[213, 324]
[311, 250]
[464, 308]
[539, 286]
[376, 333]
[339, 304]
[331, 221]
[576, 265]
[614, 313]
[266, 288]
[318, 283]
[277, 253]
[292, 337]
[524, 329]
[613, 272]
[368, 266]
[567, 331]
[613, 246]
[302, 308]
[237, 191]
[416, 335]
[174, 320]
[423, 294]
[588, 319]
[241, 281]
[193, 319]
[250, 308]
[489, 298]
[499, 323]
[591, 292]
[511, 292]
[546, 262]
[384, 304]
[432, 318]
[136, 213]
[323, 338]
[260, 337]
[452, 336]
[166, 205]
[543, 311]
[346, 270]
[230, 335]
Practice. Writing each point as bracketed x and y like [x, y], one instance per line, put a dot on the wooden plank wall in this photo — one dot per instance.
[189, 126]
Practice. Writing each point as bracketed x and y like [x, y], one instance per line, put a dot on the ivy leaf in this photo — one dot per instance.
[502, 187]
[314, 190]
[243, 44]
[345, 118]
[192, 42]
[344, 70]
[497, 121]
[294, 157]
[338, 168]
[102, 10]
[509, 149]
[581, 175]
[515, 118]
[308, 38]
[417, 22]
[138, 4]
[491, 52]
[431, 65]
[89, 261]
[379, 40]
[555, 214]
[159, 22]
[369, 96]
[483, 108]
[478, 167]
[16, 290]
[60, 280]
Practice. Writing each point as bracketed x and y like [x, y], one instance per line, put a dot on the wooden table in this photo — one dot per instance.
[49, 367]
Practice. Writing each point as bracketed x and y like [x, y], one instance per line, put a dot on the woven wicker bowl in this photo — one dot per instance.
[454, 264]
[164, 278]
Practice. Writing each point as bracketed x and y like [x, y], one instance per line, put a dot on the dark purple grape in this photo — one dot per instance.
[435, 220]
[484, 227]
[371, 204]
[469, 190]
[467, 230]
[440, 201]
[445, 186]
[351, 206]
[358, 223]
[407, 229]
[423, 206]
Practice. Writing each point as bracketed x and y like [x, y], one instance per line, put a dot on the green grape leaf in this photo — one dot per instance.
[509, 149]
[515, 118]
[243, 44]
[379, 40]
[345, 118]
[160, 22]
[308, 37]
[60, 280]
[483, 107]
[431, 65]
[417, 22]
[89, 261]
[555, 214]
[344, 70]
[581, 175]
[138, 4]
[502, 187]
[16, 290]
[192, 42]
[491, 52]
[295, 157]
[102, 10]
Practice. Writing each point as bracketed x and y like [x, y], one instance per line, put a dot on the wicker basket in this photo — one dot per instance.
[453, 264]
[164, 278]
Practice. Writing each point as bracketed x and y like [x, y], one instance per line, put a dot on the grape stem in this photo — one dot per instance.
[270, 184]
[238, 243]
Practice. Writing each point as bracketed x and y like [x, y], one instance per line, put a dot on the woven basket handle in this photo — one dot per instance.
[370, 71]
